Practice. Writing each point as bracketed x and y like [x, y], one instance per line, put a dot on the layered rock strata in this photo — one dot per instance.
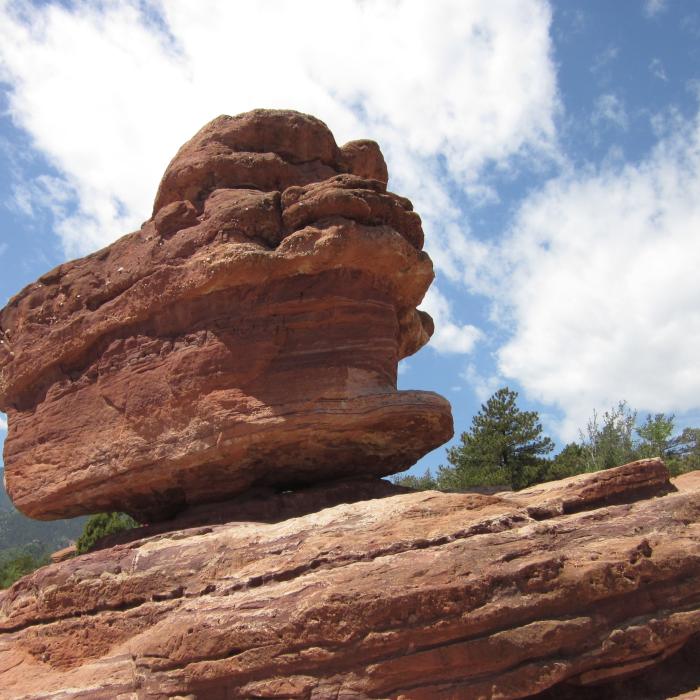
[247, 335]
[398, 595]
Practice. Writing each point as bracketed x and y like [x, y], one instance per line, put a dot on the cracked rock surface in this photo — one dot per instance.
[360, 589]
[247, 335]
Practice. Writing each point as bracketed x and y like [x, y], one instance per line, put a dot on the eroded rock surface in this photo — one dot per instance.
[401, 595]
[248, 335]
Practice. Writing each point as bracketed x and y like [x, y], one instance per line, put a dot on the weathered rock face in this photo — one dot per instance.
[405, 595]
[247, 335]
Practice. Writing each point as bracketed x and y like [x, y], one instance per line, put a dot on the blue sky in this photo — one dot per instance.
[552, 148]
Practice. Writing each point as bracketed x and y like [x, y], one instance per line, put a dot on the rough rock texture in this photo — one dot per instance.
[400, 595]
[247, 335]
[63, 554]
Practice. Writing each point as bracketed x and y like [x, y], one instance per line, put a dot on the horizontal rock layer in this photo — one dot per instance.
[405, 595]
[247, 335]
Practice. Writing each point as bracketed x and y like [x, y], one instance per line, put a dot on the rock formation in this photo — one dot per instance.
[395, 595]
[247, 335]
[233, 364]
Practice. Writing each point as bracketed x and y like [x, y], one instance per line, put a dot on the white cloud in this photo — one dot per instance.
[43, 192]
[610, 108]
[107, 95]
[21, 200]
[604, 289]
[654, 7]
[605, 58]
[482, 385]
[656, 68]
[449, 336]
[3, 422]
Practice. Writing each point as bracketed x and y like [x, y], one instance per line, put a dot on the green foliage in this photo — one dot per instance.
[504, 446]
[419, 483]
[19, 561]
[570, 461]
[608, 441]
[611, 441]
[654, 436]
[683, 452]
[101, 525]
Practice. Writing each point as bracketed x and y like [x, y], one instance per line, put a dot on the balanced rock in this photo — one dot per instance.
[247, 335]
[360, 590]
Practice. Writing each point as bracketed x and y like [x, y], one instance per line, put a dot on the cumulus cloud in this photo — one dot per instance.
[21, 200]
[482, 385]
[450, 336]
[603, 293]
[108, 93]
[3, 422]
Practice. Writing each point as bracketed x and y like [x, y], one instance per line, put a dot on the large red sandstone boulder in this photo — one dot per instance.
[361, 590]
[247, 335]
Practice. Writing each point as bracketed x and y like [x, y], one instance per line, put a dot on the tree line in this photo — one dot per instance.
[505, 447]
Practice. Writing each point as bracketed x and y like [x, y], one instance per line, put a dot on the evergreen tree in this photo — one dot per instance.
[101, 525]
[683, 452]
[503, 446]
[570, 461]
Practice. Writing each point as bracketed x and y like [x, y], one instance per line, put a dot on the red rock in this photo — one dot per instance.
[263, 149]
[248, 335]
[583, 491]
[406, 595]
[63, 554]
[352, 197]
[364, 158]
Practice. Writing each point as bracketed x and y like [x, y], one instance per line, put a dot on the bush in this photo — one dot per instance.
[419, 483]
[101, 525]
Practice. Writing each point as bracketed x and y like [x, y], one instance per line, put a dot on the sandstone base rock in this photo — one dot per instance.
[418, 595]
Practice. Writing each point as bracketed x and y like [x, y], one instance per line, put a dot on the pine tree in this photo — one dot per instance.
[503, 446]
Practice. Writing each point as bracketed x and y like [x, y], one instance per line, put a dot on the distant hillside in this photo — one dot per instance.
[16, 530]
[5, 502]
